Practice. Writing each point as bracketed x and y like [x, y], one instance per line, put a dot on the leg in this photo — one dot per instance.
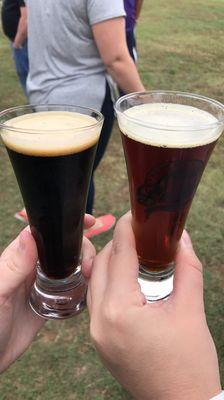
[131, 43]
[108, 112]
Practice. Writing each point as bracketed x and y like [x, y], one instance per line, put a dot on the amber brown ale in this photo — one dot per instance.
[165, 165]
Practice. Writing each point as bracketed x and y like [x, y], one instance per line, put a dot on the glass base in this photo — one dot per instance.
[156, 285]
[58, 298]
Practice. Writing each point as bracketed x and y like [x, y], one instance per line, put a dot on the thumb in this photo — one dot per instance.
[124, 266]
[188, 277]
[17, 263]
[89, 221]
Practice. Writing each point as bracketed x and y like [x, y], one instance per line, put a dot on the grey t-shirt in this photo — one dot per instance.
[65, 65]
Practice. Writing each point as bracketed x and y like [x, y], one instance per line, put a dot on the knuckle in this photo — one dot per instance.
[88, 246]
[110, 324]
[11, 264]
[5, 302]
[197, 265]
[113, 315]
[117, 247]
[96, 334]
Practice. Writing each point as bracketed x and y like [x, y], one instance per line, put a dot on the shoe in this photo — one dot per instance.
[22, 216]
[102, 224]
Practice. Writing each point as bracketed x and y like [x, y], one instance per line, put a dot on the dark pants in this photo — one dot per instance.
[131, 43]
[108, 113]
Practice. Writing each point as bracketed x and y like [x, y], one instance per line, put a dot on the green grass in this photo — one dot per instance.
[180, 48]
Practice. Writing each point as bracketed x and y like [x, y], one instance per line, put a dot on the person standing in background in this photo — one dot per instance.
[72, 47]
[132, 9]
[14, 24]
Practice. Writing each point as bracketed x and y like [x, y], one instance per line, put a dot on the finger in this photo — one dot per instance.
[88, 255]
[98, 281]
[89, 301]
[124, 266]
[35, 322]
[89, 221]
[188, 277]
[17, 263]
[13, 244]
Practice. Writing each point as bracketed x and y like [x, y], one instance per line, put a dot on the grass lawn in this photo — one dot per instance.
[179, 48]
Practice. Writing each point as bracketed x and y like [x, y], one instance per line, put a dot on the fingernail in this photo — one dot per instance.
[186, 240]
[87, 267]
[88, 262]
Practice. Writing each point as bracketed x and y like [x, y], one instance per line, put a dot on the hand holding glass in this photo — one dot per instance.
[167, 138]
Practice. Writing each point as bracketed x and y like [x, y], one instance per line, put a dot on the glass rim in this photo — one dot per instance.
[30, 106]
[171, 127]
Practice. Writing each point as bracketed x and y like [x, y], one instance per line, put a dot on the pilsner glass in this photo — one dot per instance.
[52, 151]
[167, 138]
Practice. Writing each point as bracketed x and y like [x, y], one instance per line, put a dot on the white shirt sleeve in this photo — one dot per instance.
[220, 396]
[101, 10]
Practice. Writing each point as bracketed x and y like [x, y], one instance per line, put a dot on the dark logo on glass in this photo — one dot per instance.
[171, 186]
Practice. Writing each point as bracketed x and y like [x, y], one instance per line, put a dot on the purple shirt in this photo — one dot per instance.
[130, 8]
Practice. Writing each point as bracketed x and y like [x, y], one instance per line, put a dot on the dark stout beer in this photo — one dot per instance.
[53, 172]
[164, 171]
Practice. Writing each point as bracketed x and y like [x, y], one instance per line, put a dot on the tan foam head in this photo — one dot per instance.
[169, 125]
[51, 133]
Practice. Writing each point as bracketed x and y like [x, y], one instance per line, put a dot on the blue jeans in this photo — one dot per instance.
[20, 57]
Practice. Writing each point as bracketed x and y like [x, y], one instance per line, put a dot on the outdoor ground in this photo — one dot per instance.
[181, 48]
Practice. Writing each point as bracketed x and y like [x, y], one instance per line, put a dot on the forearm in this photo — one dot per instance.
[138, 8]
[115, 54]
[21, 34]
[125, 74]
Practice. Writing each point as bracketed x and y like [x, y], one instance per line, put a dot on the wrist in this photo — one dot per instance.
[16, 45]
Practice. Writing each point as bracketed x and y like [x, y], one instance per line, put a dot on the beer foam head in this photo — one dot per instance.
[169, 125]
[51, 133]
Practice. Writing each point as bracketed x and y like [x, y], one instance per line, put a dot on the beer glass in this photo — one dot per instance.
[167, 139]
[52, 149]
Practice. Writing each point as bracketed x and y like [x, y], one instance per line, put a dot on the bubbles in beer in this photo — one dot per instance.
[169, 125]
[33, 133]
